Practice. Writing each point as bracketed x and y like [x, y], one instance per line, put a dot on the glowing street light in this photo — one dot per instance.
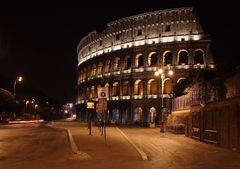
[18, 79]
[163, 73]
[27, 101]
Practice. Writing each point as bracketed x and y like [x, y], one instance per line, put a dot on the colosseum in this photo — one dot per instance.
[128, 55]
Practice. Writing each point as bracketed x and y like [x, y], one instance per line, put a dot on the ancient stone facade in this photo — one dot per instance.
[126, 55]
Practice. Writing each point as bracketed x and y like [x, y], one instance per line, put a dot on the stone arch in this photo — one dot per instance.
[84, 73]
[99, 69]
[138, 115]
[92, 92]
[167, 86]
[138, 62]
[115, 89]
[152, 113]
[181, 79]
[138, 87]
[183, 57]
[115, 115]
[108, 86]
[152, 59]
[127, 63]
[81, 75]
[167, 58]
[89, 71]
[94, 69]
[107, 66]
[116, 66]
[152, 87]
[125, 116]
[87, 93]
[126, 88]
[198, 56]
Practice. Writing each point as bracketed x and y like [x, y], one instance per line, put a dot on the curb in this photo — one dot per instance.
[141, 152]
[72, 142]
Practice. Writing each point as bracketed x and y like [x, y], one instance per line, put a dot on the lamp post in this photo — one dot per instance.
[162, 72]
[18, 79]
[26, 108]
[35, 108]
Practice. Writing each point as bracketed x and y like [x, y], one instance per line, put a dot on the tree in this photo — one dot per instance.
[180, 88]
[6, 101]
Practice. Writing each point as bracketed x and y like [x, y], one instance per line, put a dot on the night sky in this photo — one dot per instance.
[39, 40]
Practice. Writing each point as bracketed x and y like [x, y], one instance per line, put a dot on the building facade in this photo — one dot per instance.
[125, 56]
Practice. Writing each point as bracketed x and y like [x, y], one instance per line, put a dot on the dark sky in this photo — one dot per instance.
[39, 40]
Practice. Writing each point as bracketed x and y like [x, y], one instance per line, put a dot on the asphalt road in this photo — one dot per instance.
[39, 147]
[32, 146]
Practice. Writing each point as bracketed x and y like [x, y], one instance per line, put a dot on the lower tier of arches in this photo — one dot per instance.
[128, 112]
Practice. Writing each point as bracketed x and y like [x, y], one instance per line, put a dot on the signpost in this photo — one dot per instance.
[90, 108]
[101, 107]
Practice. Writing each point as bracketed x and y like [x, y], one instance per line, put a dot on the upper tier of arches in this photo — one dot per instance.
[178, 24]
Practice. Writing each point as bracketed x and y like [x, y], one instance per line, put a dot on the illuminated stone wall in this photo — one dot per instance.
[125, 56]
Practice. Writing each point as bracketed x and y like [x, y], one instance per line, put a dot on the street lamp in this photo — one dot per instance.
[18, 79]
[26, 108]
[35, 107]
[163, 73]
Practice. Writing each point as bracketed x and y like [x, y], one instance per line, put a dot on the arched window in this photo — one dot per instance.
[81, 75]
[107, 85]
[167, 86]
[183, 57]
[99, 71]
[89, 71]
[126, 88]
[127, 63]
[87, 93]
[107, 66]
[152, 115]
[84, 74]
[152, 87]
[138, 87]
[167, 58]
[116, 64]
[115, 89]
[139, 60]
[92, 92]
[152, 59]
[138, 115]
[94, 69]
[198, 57]
[182, 80]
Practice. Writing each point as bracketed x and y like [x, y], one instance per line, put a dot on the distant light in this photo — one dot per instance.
[157, 73]
[65, 111]
[20, 78]
[170, 72]
[70, 105]
[160, 71]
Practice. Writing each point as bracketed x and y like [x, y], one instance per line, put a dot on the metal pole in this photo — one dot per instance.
[162, 116]
[14, 88]
[104, 123]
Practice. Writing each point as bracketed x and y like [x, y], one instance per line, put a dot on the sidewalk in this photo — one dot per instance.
[116, 152]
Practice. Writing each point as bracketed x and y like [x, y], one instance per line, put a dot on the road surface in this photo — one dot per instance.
[28, 146]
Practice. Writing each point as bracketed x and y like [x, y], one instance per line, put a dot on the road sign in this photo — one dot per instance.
[103, 93]
[90, 105]
[101, 105]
